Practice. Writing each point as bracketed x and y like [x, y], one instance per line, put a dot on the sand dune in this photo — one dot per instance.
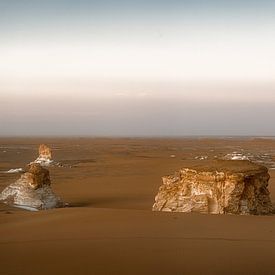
[110, 228]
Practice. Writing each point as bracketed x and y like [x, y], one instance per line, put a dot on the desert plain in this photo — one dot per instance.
[109, 226]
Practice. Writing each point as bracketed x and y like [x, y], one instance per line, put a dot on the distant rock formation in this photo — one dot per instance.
[217, 187]
[236, 156]
[45, 156]
[32, 190]
[45, 152]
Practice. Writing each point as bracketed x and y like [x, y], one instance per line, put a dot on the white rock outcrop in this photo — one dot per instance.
[217, 187]
[32, 190]
[45, 156]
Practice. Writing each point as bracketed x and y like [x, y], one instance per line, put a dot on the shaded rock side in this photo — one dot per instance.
[217, 187]
[32, 190]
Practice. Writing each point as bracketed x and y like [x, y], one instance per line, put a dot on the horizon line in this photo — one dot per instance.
[138, 136]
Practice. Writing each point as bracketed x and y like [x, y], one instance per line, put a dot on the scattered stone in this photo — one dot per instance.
[217, 187]
[201, 157]
[262, 159]
[15, 170]
[235, 156]
[32, 191]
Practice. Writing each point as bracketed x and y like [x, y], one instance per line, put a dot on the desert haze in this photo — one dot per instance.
[109, 226]
[137, 137]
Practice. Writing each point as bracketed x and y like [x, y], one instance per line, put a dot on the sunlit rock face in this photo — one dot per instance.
[217, 187]
[32, 190]
[45, 156]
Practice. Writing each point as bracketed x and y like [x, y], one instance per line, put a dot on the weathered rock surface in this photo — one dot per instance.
[45, 156]
[45, 151]
[217, 187]
[32, 190]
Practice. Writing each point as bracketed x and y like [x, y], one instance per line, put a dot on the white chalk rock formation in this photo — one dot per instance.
[217, 187]
[15, 170]
[45, 156]
[236, 156]
[32, 190]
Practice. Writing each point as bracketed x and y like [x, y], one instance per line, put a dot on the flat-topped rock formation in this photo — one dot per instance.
[216, 187]
[45, 155]
[32, 190]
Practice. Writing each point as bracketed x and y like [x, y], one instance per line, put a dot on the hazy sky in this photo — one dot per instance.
[137, 67]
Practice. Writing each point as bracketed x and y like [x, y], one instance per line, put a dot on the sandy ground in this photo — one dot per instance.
[110, 228]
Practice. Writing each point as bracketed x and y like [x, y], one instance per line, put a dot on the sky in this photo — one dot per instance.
[137, 68]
